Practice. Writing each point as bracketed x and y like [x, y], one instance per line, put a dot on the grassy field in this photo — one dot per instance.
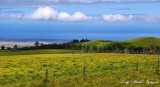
[143, 42]
[28, 52]
[67, 70]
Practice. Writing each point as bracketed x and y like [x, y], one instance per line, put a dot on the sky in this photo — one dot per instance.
[79, 19]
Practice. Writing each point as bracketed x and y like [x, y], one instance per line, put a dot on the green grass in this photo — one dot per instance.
[143, 41]
[28, 52]
[96, 42]
[65, 70]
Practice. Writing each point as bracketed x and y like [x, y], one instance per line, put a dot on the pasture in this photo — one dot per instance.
[79, 70]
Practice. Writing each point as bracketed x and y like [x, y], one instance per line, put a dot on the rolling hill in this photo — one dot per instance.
[145, 41]
[142, 41]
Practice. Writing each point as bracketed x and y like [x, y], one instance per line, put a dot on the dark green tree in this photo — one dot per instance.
[94, 48]
[15, 47]
[75, 41]
[36, 44]
[3, 47]
[9, 48]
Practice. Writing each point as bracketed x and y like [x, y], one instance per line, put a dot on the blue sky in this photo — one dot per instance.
[69, 19]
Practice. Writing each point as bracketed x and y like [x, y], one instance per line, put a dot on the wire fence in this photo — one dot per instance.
[114, 68]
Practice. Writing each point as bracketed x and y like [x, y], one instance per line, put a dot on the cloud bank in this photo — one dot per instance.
[42, 13]
[47, 13]
[117, 18]
[152, 19]
[50, 14]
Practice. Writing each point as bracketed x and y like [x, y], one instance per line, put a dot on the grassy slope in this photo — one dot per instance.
[28, 52]
[98, 43]
[65, 70]
[143, 41]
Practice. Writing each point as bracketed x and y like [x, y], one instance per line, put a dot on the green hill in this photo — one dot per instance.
[145, 41]
[97, 42]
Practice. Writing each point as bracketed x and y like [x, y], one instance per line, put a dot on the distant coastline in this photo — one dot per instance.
[29, 42]
[32, 40]
[19, 43]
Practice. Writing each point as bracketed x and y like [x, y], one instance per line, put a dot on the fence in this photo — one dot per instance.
[112, 70]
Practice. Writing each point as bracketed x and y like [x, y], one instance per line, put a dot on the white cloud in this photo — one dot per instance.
[152, 19]
[47, 13]
[43, 13]
[77, 16]
[10, 16]
[50, 14]
[117, 18]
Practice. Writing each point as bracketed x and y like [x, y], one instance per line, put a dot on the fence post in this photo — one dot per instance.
[84, 71]
[158, 63]
[157, 69]
[111, 67]
[46, 78]
[46, 73]
[137, 66]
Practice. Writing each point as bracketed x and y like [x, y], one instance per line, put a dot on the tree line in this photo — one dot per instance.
[75, 44]
[38, 45]
[118, 48]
